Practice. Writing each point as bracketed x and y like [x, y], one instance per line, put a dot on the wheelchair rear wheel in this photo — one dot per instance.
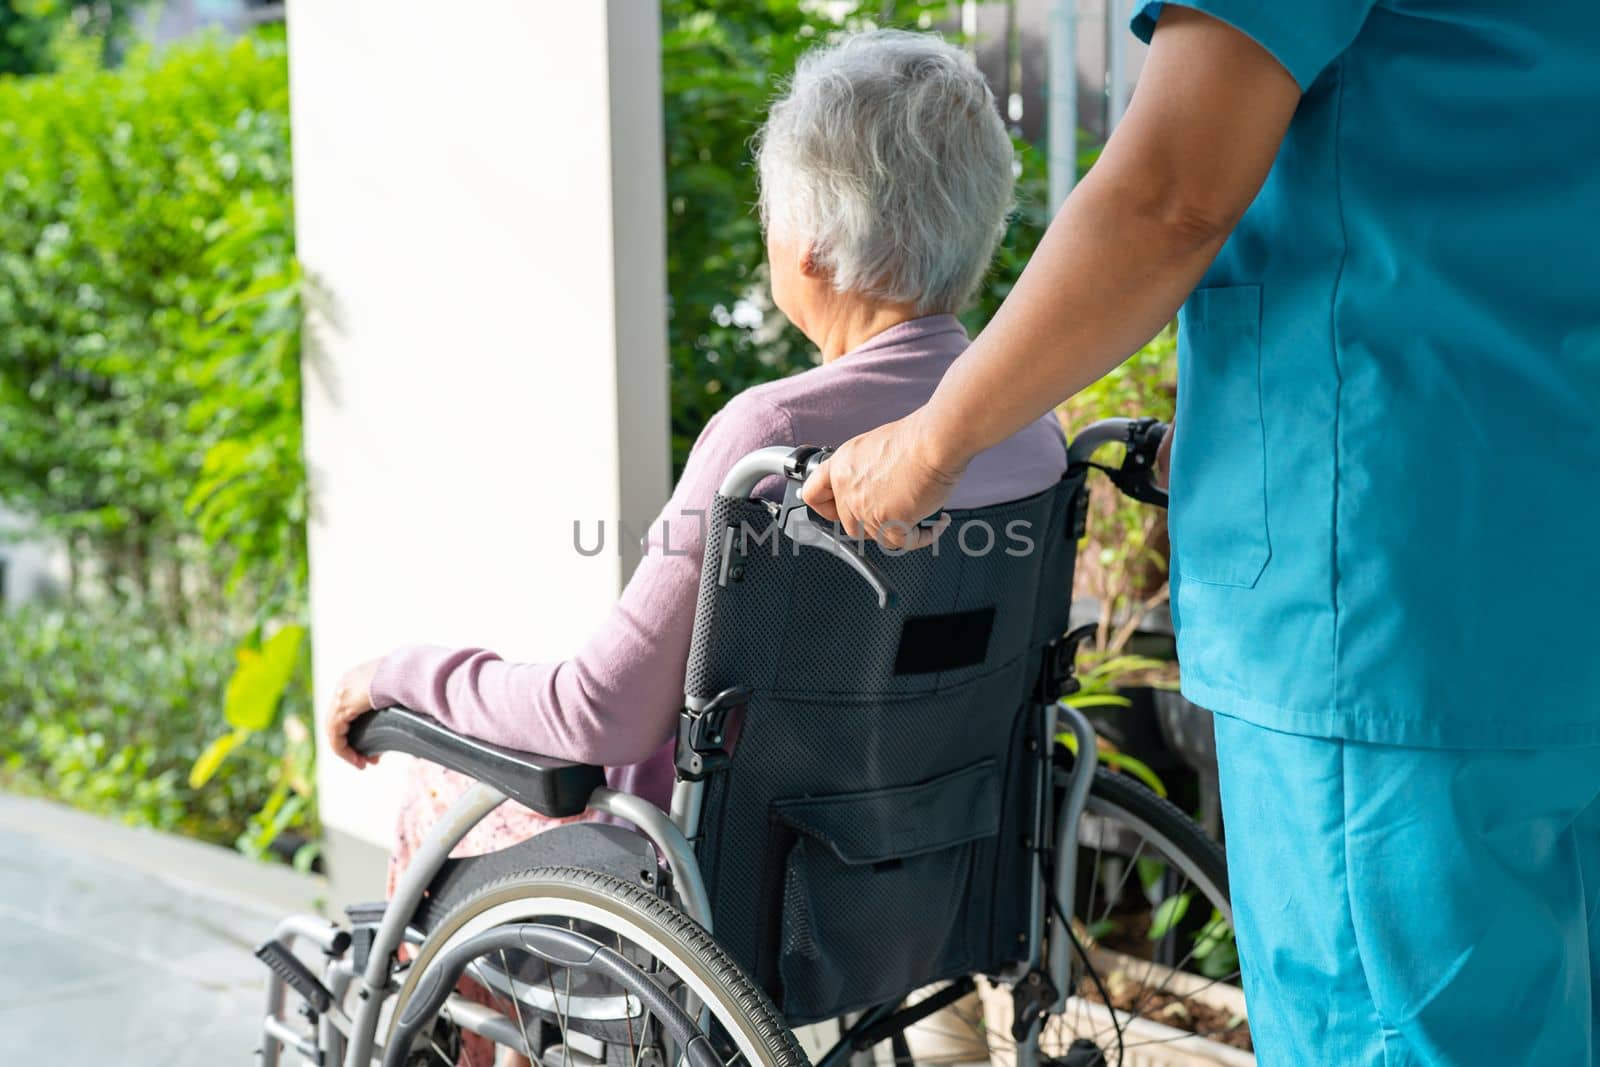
[1152, 917]
[592, 994]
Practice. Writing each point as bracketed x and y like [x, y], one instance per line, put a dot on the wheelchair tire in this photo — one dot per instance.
[1126, 824]
[1119, 796]
[1138, 854]
[630, 913]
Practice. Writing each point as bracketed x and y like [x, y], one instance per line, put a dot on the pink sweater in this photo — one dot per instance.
[616, 702]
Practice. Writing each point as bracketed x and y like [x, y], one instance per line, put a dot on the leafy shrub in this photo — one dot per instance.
[149, 324]
[1123, 562]
[31, 30]
[107, 711]
[150, 394]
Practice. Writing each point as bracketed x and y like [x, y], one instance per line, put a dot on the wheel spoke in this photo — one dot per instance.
[1135, 833]
[1112, 1025]
[1145, 989]
[627, 1012]
[437, 1051]
[561, 1016]
[644, 1036]
[516, 1006]
[1122, 882]
[566, 1048]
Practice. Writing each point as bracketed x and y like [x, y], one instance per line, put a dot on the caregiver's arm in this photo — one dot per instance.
[1123, 253]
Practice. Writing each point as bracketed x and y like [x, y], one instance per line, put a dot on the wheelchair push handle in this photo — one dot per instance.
[794, 519]
[774, 461]
[1141, 438]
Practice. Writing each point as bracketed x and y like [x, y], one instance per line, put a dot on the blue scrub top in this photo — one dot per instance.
[1386, 476]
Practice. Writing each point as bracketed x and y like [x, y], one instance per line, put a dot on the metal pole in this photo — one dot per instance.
[1061, 117]
[1116, 65]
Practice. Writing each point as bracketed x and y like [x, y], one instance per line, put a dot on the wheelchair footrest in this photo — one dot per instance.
[296, 975]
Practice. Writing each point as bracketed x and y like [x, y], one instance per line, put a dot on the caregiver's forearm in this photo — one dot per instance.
[1131, 241]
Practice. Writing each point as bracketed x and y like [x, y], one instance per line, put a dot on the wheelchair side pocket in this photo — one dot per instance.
[866, 893]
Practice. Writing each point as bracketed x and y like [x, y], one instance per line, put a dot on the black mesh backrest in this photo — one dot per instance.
[868, 835]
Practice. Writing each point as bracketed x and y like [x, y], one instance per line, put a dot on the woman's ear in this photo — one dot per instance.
[810, 263]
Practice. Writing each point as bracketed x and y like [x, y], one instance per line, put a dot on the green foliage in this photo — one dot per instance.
[148, 317]
[150, 393]
[249, 500]
[108, 711]
[1106, 751]
[1168, 914]
[1215, 949]
[31, 31]
[1123, 561]
[259, 681]
[1214, 953]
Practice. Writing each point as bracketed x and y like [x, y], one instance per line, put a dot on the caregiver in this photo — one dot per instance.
[1383, 223]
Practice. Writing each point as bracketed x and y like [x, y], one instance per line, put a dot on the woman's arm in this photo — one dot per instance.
[617, 701]
[1123, 253]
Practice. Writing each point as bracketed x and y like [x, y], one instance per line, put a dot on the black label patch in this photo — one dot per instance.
[948, 642]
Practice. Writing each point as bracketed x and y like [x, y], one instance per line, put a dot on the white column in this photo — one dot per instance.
[1061, 116]
[479, 209]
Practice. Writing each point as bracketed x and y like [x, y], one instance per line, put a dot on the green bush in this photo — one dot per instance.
[107, 711]
[149, 325]
[150, 399]
[31, 31]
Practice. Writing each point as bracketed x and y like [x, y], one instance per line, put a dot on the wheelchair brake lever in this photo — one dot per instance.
[800, 525]
[1136, 476]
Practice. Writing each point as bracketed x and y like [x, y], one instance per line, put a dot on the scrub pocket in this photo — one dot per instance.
[1219, 499]
[871, 889]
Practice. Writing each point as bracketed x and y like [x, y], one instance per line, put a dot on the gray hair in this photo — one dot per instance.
[888, 156]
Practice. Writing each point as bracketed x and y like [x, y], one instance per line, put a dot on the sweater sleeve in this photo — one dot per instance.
[616, 702]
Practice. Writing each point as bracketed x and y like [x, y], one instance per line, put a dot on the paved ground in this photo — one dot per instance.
[127, 948]
[120, 947]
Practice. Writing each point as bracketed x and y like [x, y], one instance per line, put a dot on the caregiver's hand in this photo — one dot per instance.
[352, 698]
[883, 483]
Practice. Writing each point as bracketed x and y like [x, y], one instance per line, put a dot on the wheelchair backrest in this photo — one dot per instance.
[870, 829]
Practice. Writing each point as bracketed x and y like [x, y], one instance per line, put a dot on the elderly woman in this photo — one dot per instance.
[886, 176]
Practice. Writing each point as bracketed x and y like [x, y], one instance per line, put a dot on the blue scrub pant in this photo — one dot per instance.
[1413, 906]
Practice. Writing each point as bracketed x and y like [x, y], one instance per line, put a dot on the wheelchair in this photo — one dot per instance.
[878, 826]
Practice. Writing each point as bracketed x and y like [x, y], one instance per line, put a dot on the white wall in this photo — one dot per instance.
[478, 195]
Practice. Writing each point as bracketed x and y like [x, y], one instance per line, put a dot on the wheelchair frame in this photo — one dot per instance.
[674, 836]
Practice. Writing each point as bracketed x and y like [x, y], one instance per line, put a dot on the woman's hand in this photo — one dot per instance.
[883, 483]
[352, 698]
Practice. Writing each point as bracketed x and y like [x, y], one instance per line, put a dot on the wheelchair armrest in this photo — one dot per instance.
[549, 786]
